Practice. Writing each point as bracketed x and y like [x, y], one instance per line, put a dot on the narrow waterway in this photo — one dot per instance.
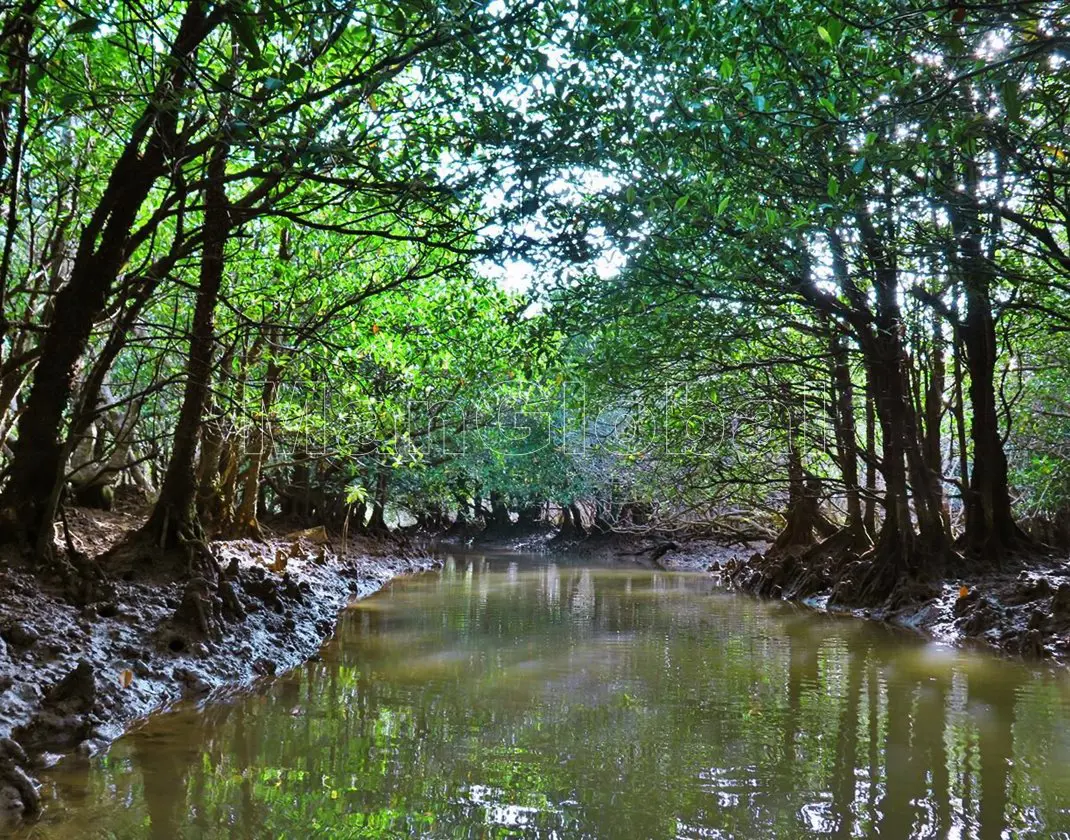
[518, 697]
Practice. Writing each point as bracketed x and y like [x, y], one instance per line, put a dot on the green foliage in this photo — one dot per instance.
[711, 196]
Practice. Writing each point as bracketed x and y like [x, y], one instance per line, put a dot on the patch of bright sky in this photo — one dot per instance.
[569, 187]
[993, 43]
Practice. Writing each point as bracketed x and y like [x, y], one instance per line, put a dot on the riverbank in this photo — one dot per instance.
[76, 673]
[671, 552]
[1021, 610]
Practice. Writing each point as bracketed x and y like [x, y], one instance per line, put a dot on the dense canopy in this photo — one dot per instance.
[787, 268]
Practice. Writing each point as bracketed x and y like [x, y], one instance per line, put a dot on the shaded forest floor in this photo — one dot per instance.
[74, 675]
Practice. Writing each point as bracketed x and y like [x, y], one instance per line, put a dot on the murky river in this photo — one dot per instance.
[515, 697]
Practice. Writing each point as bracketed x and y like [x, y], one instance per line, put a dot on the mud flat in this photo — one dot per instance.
[76, 672]
[1022, 609]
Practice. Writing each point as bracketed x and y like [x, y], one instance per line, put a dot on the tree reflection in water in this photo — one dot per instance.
[561, 701]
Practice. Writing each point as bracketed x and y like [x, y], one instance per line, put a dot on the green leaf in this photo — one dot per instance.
[34, 77]
[722, 205]
[830, 32]
[225, 81]
[242, 25]
[83, 26]
[726, 69]
[833, 186]
[1011, 103]
[681, 203]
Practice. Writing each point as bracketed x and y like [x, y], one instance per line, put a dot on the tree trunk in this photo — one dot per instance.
[846, 445]
[358, 513]
[877, 324]
[934, 415]
[499, 512]
[28, 504]
[991, 530]
[246, 522]
[208, 472]
[990, 527]
[174, 518]
[229, 460]
[869, 511]
[93, 469]
[15, 40]
[803, 496]
[572, 525]
[577, 519]
[530, 514]
[377, 523]
[894, 554]
[900, 550]
[959, 413]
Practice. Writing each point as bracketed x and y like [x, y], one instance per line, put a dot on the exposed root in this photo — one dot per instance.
[177, 545]
[869, 581]
[997, 557]
[803, 516]
[207, 606]
[882, 575]
[13, 762]
[798, 572]
[243, 530]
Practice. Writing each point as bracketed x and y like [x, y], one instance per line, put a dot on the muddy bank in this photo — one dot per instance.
[657, 550]
[1023, 610]
[74, 676]
[527, 537]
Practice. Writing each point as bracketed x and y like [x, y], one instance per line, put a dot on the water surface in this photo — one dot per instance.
[517, 697]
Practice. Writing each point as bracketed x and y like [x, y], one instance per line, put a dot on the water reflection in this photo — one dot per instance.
[514, 697]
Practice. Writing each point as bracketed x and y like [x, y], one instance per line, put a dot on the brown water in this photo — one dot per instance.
[514, 697]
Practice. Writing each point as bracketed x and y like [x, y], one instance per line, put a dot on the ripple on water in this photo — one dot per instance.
[519, 697]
